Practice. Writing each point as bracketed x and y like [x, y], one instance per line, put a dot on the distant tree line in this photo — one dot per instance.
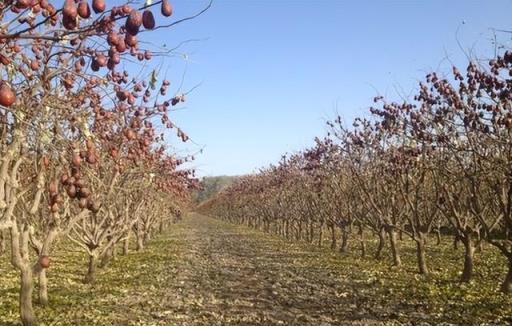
[211, 186]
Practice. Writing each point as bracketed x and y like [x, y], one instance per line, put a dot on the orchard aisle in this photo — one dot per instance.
[229, 274]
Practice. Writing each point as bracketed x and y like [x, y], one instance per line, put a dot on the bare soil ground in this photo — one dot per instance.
[233, 275]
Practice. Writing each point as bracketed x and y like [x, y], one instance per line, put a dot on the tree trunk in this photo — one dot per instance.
[469, 251]
[456, 240]
[479, 246]
[147, 237]
[28, 317]
[438, 237]
[299, 231]
[361, 241]
[333, 237]
[382, 241]
[320, 234]
[344, 239]
[140, 242]
[394, 248]
[90, 277]
[108, 255]
[126, 244]
[421, 255]
[43, 288]
[3, 245]
[105, 259]
[506, 286]
[311, 232]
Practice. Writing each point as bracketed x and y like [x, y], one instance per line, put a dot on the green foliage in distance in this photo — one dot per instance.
[212, 186]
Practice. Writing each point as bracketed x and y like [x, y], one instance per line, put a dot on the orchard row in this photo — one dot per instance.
[439, 163]
[82, 138]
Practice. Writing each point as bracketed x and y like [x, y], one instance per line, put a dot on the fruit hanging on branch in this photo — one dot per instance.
[55, 208]
[70, 9]
[83, 9]
[148, 20]
[44, 261]
[4, 60]
[98, 6]
[166, 8]
[133, 22]
[131, 40]
[22, 4]
[7, 96]
[71, 191]
[76, 160]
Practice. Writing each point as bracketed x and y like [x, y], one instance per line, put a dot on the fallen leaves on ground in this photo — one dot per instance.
[207, 272]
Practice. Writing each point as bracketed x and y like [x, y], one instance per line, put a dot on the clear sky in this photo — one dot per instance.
[272, 72]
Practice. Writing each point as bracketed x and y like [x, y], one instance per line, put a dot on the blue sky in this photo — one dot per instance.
[272, 72]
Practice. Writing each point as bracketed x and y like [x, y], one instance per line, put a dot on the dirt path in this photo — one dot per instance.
[233, 275]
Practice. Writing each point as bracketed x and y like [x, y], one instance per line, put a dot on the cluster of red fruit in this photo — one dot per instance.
[76, 188]
[121, 40]
[74, 184]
